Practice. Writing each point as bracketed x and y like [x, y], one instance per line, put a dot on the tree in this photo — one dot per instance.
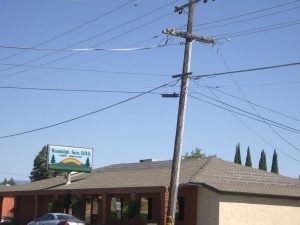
[248, 158]
[10, 182]
[87, 162]
[39, 171]
[263, 161]
[196, 154]
[4, 181]
[274, 168]
[237, 157]
[53, 159]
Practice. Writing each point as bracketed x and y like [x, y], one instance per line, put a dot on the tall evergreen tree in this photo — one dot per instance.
[263, 161]
[11, 182]
[87, 162]
[248, 158]
[274, 168]
[53, 161]
[39, 171]
[237, 157]
[4, 181]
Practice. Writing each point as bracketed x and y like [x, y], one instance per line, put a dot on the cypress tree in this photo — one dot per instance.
[263, 161]
[274, 168]
[248, 158]
[237, 157]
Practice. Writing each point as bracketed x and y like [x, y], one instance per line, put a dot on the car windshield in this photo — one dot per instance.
[67, 217]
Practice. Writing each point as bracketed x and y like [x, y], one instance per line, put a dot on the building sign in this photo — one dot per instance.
[69, 158]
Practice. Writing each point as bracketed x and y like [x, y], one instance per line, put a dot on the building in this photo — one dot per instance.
[6, 208]
[212, 192]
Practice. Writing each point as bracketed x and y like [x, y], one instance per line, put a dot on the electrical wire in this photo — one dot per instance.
[245, 70]
[257, 112]
[15, 174]
[257, 30]
[71, 30]
[271, 122]
[88, 49]
[260, 106]
[261, 84]
[86, 70]
[248, 19]
[232, 111]
[102, 71]
[98, 34]
[245, 14]
[74, 90]
[86, 114]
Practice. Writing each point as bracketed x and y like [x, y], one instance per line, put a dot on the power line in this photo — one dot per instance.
[108, 40]
[264, 120]
[86, 70]
[74, 90]
[245, 14]
[87, 49]
[71, 30]
[261, 84]
[271, 122]
[14, 174]
[98, 71]
[257, 30]
[234, 112]
[248, 19]
[245, 70]
[260, 106]
[86, 114]
[257, 113]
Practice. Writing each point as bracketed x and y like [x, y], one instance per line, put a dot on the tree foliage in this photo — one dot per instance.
[10, 182]
[274, 168]
[263, 161]
[237, 157]
[248, 158]
[195, 154]
[40, 171]
[53, 161]
[87, 162]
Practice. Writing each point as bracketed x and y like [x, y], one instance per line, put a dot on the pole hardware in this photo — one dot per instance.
[192, 37]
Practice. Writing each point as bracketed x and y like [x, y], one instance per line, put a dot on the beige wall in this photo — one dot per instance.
[221, 209]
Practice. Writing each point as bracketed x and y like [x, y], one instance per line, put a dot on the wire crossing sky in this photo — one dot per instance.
[56, 58]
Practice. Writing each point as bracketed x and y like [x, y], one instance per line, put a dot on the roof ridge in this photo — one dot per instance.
[202, 167]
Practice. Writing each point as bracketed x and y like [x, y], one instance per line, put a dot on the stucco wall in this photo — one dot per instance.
[208, 207]
[222, 209]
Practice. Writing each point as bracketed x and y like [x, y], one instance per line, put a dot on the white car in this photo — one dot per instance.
[57, 219]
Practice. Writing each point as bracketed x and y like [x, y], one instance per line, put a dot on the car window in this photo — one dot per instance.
[42, 218]
[67, 217]
[50, 217]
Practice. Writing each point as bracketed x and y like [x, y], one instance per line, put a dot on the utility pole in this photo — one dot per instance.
[182, 102]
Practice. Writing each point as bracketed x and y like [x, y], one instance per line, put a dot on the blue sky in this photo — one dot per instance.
[145, 127]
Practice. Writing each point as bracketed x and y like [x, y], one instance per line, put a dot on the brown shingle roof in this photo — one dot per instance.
[215, 173]
[224, 176]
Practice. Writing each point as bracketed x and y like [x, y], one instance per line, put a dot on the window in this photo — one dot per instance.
[146, 208]
[116, 208]
[180, 209]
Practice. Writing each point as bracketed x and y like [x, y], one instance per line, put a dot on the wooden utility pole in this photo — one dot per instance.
[182, 103]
